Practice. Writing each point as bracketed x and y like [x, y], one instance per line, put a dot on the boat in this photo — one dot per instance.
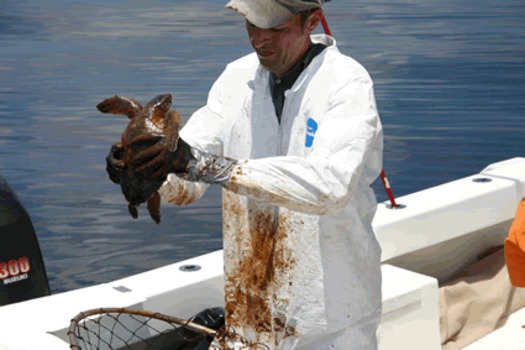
[429, 237]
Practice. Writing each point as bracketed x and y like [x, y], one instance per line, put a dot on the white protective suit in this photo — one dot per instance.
[302, 263]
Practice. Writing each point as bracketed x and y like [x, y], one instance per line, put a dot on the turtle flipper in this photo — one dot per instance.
[154, 206]
[158, 108]
[133, 211]
[120, 105]
[160, 101]
[171, 129]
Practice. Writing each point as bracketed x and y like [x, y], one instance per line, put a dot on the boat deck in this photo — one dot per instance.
[511, 336]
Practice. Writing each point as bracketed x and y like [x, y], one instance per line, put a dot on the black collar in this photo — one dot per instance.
[291, 76]
[278, 85]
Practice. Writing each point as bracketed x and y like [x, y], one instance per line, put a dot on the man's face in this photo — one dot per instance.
[281, 47]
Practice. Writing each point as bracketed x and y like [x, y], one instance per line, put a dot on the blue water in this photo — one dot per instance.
[449, 78]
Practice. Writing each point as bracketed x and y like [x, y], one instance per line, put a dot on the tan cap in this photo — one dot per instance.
[270, 13]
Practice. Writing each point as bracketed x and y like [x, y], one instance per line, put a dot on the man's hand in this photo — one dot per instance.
[157, 161]
[114, 162]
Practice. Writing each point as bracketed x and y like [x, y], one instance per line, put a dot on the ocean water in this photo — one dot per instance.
[449, 80]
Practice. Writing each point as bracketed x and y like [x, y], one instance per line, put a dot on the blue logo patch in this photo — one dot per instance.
[310, 132]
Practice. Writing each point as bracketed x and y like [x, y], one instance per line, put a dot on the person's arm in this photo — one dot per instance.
[346, 153]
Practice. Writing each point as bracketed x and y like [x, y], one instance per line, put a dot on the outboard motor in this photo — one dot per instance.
[22, 272]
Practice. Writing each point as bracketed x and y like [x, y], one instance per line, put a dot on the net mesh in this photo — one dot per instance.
[123, 328]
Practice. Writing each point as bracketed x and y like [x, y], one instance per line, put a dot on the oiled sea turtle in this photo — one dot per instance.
[155, 118]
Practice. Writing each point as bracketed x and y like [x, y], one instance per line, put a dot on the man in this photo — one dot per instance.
[292, 134]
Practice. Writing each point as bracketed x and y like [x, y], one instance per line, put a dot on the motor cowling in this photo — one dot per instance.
[22, 271]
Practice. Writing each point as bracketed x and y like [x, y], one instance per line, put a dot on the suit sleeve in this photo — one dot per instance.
[346, 157]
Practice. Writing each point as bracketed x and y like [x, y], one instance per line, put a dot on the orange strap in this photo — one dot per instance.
[515, 248]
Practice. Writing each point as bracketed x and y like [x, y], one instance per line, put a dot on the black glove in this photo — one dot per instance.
[157, 161]
[189, 163]
[114, 162]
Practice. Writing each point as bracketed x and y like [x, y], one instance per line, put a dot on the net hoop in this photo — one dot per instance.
[86, 328]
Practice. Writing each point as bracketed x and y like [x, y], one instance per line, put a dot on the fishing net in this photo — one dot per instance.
[124, 328]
